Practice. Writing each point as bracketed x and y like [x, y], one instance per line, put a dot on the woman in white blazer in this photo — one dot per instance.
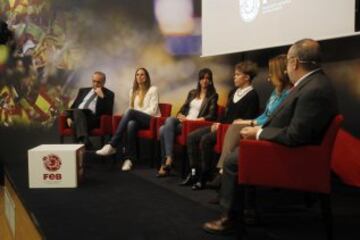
[143, 104]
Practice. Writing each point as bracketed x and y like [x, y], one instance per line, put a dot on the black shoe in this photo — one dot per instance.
[197, 186]
[189, 180]
[250, 217]
[222, 226]
[215, 183]
[86, 141]
[88, 145]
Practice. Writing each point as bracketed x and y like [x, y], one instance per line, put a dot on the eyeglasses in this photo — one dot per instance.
[96, 81]
[289, 58]
[300, 60]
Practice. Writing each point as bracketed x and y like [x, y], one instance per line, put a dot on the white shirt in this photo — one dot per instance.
[92, 105]
[305, 76]
[241, 92]
[150, 103]
[194, 110]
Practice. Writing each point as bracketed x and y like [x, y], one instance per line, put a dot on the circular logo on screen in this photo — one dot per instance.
[249, 9]
[52, 162]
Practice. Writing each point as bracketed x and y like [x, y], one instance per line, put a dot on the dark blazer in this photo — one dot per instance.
[305, 114]
[208, 108]
[103, 105]
[246, 108]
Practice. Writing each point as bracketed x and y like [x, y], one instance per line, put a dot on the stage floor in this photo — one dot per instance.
[111, 204]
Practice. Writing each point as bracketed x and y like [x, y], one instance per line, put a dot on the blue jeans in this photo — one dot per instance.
[168, 131]
[130, 123]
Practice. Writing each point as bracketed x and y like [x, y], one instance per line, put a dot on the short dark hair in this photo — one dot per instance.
[249, 68]
[103, 76]
[309, 53]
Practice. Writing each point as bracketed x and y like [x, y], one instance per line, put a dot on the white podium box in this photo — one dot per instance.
[55, 165]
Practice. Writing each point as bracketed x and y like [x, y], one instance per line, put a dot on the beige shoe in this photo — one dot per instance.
[106, 150]
[127, 165]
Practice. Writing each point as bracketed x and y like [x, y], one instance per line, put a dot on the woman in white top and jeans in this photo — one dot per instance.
[144, 104]
[201, 104]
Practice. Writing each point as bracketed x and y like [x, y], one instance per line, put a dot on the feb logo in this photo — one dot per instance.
[249, 9]
[51, 162]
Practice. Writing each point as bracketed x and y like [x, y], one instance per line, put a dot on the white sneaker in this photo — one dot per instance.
[127, 165]
[106, 150]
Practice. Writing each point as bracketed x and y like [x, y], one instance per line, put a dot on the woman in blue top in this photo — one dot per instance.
[279, 79]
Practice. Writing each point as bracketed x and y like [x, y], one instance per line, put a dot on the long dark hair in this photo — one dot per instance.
[211, 88]
[135, 87]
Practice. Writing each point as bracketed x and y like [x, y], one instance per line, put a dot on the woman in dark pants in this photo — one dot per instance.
[243, 102]
[200, 104]
[144, 104]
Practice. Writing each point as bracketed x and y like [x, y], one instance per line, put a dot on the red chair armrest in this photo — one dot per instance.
[269, 164]
[115, 122]
[106, 124]
[62, 123]
[220, 135]
[191, 125]
[188, 127]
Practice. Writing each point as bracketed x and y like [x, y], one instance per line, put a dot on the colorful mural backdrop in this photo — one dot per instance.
[50, 48]
[57, 45]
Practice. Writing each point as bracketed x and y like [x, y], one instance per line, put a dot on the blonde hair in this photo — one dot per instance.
[136, 88]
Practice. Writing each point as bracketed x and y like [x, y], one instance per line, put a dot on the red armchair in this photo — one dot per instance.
[150, 133]
[305, 168]
[103, 130]
[345, 160]
[188, 127]
[192, 125]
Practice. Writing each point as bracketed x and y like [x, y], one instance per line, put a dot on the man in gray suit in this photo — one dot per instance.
[302, 119]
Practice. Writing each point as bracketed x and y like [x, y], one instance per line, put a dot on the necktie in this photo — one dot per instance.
[90, 99]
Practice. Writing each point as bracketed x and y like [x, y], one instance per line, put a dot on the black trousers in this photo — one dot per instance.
[83, 121]
[200, 147]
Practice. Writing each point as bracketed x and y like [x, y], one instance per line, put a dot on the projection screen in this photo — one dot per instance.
[230, 26]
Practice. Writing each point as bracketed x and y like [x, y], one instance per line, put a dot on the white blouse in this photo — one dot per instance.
[240, 93]
[150, 103]
[194, 110]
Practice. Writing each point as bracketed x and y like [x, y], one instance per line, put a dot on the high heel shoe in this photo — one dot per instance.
[166, 171]
[167, 168]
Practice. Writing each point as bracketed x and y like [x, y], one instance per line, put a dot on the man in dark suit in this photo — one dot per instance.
[90, 103]
[302, 119]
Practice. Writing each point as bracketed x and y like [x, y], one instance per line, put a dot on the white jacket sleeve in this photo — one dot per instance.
[151, 106]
